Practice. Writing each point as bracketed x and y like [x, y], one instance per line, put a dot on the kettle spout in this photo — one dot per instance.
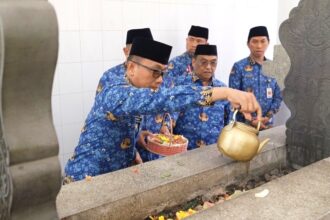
[262, 144]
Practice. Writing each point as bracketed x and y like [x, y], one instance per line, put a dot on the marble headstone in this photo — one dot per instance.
[306, 38]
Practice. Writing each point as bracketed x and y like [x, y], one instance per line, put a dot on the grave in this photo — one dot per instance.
[135, 193]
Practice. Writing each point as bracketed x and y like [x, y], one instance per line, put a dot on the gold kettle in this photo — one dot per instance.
[240, 141]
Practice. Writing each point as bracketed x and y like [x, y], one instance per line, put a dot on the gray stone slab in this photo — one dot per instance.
[35, 182]
[30, 36]
[306, 38]
[303, 194]
[132, 194]
[43, 211]
[28, 56]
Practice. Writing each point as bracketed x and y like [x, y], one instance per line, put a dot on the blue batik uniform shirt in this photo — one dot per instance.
[180, 66]
[246, 75]
[118, 70]
[150, 122]
[202, 125]
[107, 140]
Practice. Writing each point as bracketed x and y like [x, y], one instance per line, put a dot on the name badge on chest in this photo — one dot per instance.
[269, 92]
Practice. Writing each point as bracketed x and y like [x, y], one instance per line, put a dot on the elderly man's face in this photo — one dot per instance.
[205, 66]
[145, 73]
[192, 42]
[258, 46]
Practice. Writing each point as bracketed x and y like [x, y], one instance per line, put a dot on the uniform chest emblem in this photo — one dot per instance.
[248, 68]
[203, 117]
[158, 118]
[170, 66]
[111, 116]
[125, 143]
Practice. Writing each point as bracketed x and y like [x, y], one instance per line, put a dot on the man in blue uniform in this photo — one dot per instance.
[202, 125]
[120, 69]
[247, 75]
[181, 65]
[107, 140]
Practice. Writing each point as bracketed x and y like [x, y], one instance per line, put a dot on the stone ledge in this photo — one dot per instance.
[303, 194]
[126, 194]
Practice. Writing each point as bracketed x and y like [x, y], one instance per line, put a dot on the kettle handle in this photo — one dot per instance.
[234, 119]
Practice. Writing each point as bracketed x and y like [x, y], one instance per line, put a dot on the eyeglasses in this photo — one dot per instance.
[205, 63]
[155, 73]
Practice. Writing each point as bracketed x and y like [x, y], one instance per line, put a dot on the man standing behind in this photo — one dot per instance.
[121, 68]
[181, 65]
[202, 125]
[246, 75]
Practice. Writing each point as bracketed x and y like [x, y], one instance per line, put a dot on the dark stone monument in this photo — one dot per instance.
[30, 174]
[306, 38]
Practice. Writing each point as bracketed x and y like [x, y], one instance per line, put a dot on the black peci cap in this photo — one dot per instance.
[197, 31]
[152, 50]
[206, 49]
[142, 33]
[258, 31]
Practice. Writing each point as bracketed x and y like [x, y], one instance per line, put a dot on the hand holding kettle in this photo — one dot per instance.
[245, 101]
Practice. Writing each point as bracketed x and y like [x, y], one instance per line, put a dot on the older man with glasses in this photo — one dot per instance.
[107, 140]
[203, 124]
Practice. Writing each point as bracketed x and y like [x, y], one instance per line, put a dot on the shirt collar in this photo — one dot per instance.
[196, 78]
[252, 61]
[188, 55]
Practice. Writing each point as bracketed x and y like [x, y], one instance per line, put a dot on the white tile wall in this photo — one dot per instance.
[71, 108]
[91, 46]
[90, 14]
[70, 78]
[67, 14]
[112, 12]
[93, 33]
[113, 43]
[91, 73]
[132, 14]
[150, 15]
[69, 47]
